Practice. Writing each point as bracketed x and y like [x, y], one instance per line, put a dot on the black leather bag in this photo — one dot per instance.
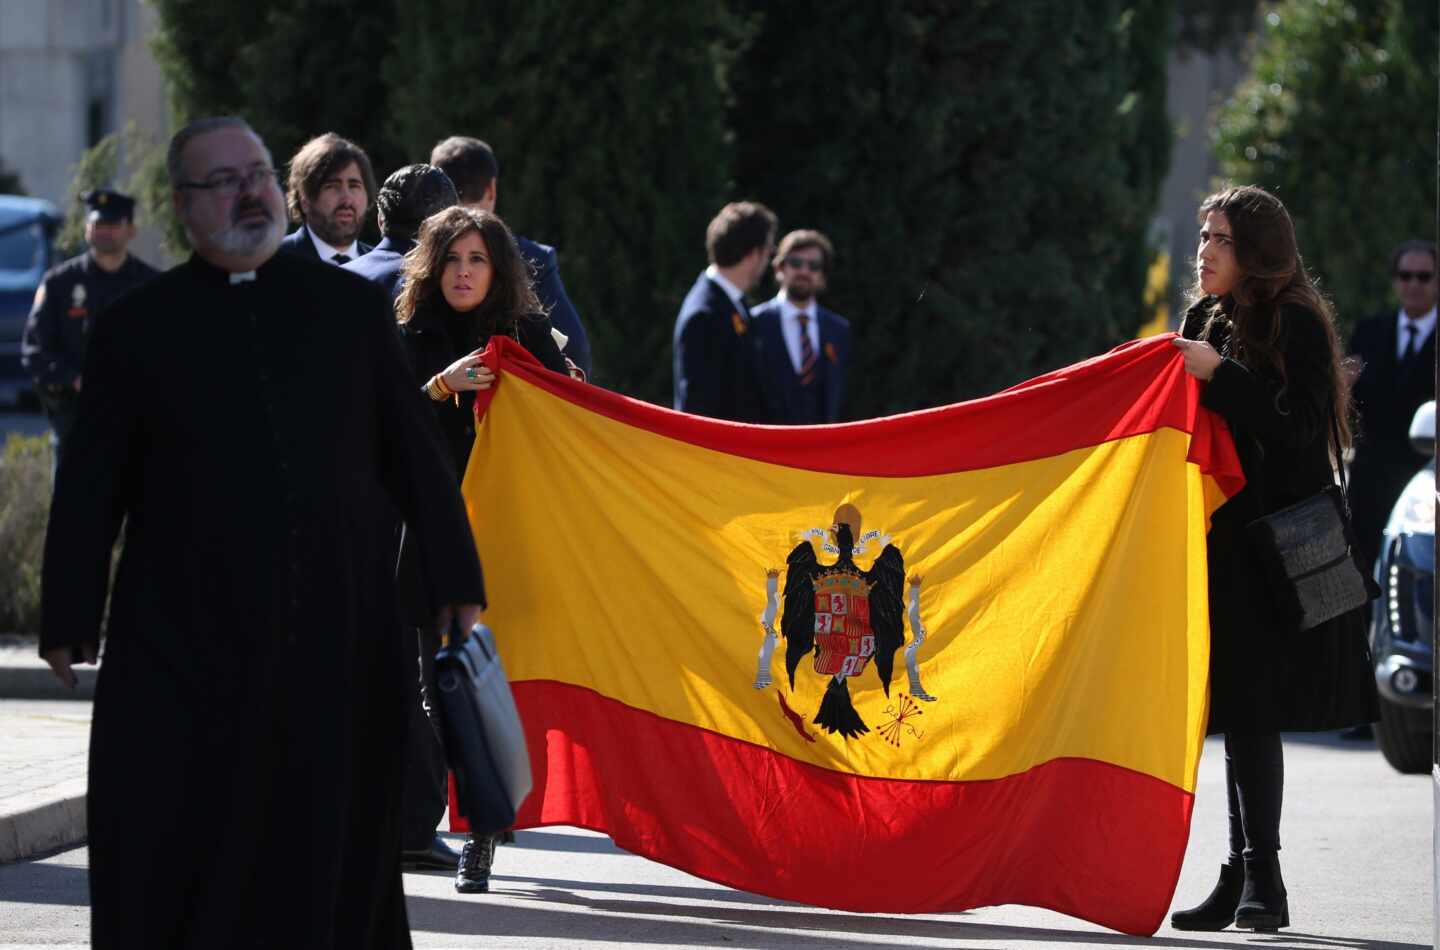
[1312, 556]
[484, 741]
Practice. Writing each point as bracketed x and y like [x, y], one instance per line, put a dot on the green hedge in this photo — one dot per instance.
[24, 510]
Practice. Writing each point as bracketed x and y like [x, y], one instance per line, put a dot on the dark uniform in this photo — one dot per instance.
[71, 296]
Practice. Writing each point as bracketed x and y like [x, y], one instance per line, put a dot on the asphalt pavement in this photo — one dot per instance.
[1357, 862]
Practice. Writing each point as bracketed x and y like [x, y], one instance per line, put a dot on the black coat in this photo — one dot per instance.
[257, 439]
[544, 266]
[1263, 676]
[298, 243]
[717, 356]
[71, 296]
[434, 338]
[1386, 393]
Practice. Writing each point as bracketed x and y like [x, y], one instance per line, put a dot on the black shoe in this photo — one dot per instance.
[506, 837]
[438, 857]
[1264, 905]
[1217, 911]
[1360, 732]
[473, 877]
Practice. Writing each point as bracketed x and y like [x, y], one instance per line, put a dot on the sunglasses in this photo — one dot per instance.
[801, 263]
[1424, 276]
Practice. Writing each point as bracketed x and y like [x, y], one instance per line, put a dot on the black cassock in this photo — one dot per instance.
[246, 752]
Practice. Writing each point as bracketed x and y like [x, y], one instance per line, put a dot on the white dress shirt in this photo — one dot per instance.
[790, 328]
[1426, 326]
[327, 252]
[736, 295]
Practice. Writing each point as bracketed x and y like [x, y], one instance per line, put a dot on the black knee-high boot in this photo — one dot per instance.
[1257, 765]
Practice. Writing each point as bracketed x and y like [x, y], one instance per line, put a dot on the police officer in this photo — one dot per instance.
[69, 299]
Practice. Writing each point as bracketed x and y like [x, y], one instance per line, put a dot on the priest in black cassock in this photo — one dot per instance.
[252, 421]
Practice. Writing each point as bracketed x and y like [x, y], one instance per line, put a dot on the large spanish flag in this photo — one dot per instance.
[925, 663]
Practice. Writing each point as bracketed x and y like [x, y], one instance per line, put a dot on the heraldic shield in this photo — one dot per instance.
[844, 642]
[845, 618]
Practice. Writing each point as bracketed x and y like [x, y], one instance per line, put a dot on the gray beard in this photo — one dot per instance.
[240, 240]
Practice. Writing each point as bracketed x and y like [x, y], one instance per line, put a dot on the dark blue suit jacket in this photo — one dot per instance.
[545, 271]
[382, 264]
[777, 373]
[298, 242]
[716, 357]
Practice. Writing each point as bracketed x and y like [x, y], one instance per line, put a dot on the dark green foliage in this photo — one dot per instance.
[988, 172]
[292, 68]
[1339, 121]
[609, 124]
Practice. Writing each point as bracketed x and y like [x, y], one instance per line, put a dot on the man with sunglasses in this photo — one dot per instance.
[805, 348]
[1396, 352]
[71, 297]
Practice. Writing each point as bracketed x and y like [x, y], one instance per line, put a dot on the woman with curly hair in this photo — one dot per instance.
[1263, 340]
[464, 282]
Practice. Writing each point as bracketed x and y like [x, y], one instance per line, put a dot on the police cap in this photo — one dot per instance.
[107, 205]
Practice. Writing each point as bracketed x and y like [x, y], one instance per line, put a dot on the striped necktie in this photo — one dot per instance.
[807, 350]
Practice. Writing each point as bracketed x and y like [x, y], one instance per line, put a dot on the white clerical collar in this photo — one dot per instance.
[327, 252]
[736, 295]
[242, 277]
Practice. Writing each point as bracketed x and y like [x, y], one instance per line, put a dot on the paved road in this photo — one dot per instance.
[1357, 862]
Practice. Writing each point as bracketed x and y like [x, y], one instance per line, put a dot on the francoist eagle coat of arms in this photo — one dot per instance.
[845, 617]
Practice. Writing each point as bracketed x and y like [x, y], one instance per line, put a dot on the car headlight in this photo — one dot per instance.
[1414, 513]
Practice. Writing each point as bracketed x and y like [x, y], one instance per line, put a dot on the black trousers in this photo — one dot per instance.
[1255, 779]
[426, 787]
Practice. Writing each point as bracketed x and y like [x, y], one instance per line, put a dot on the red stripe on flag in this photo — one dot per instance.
[1134, 389]
[1082, 837]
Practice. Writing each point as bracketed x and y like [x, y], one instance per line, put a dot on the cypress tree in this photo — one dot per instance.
[988, 171]
[609, 125]
[1338, 120]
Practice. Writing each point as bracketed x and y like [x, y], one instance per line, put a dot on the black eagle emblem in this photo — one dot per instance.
[845, 618]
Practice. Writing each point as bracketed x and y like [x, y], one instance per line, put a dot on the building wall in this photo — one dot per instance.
[71, 72]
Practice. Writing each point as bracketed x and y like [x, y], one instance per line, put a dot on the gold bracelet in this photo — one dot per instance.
[434, 390]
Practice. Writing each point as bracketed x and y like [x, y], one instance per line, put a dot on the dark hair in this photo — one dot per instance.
[175, 155]
[1272, 276]
[409, 196]
[739, 228]
[510, 299]
[802, 240]
[322, 158]
[1408, 247]
[470, 163]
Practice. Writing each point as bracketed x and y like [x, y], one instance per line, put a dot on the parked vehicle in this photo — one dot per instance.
[27, 228]
[1402, 622]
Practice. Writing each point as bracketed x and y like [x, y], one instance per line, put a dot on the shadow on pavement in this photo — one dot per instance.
[39, 882]
[558, 841]
[724, 894]
[685, 924]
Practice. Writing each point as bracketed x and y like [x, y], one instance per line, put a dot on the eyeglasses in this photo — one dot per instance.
[804, 263]
[230, 184]
[1424, 276]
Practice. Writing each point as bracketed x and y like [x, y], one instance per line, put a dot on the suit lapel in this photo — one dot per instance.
[778, 369]
[832, 358]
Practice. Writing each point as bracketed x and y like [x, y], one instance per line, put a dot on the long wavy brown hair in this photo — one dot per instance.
[1272, 275]
[511, 297]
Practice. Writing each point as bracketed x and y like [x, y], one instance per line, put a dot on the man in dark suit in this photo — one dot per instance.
[407, 198]
[473, 167]
[716, 354]
[330, 188]
[1396, 376]
[805, 348]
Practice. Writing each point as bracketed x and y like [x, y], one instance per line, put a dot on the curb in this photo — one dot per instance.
[35, 681]
[47, 820]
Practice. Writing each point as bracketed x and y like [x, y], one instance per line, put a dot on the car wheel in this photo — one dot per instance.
[1404, 738]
